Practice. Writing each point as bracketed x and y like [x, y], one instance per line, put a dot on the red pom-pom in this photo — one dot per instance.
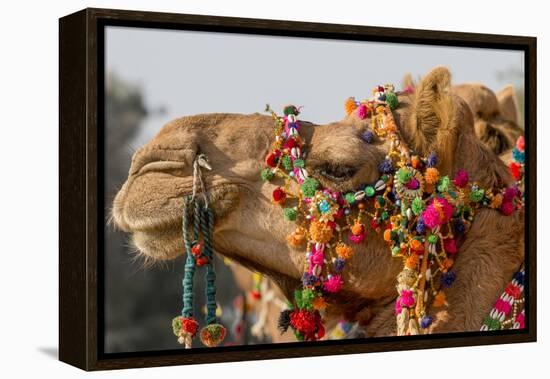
[256, 295]
[189, 325]
[450, 245]
[307, 323]
[507, 208]
[290, 143]
[279, 195]
[201, 261]
[196, 249]
[515, 170]
[272, 158]
[520, 143]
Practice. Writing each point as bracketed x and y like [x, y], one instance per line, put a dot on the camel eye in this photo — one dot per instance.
[338, 173]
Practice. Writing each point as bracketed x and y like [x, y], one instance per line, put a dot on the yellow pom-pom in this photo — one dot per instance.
[350, 105]
[297, 237]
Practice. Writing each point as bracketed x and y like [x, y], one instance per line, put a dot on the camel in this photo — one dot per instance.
[250, 229]
[496, 115]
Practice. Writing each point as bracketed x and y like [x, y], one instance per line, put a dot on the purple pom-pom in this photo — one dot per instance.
[309, 279]
[386, 166]
[420, 226]
[448, 278]
[339, 264]
[459, 227]
[432, 160]
[368, 136]
[426, 321]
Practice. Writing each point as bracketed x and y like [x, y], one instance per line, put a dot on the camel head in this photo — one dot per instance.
[249, 227]
[496, 118]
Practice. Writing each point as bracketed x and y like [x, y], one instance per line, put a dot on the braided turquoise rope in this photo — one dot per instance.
[189, 273]
[207, 232]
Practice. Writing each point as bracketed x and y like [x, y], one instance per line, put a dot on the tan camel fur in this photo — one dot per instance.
[251, 230]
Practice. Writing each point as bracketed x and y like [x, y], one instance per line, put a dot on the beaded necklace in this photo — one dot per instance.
[418, 211]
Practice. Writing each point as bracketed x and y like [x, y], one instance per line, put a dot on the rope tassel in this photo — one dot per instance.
[197, 220]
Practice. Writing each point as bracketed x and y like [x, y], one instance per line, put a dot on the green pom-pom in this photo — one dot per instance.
[309, 186]
[307, 299]
[395, 250]
[417, 205]
[290, 214]
[370, 191]
[176, 325]
[291, 109]
[432, 238]
[267, 174]
[385, 215]
[391, 100]
[404, 175]
[443, 184]
[350, 198]
[298, 336]
[477, 195]
[380, 200]
[287, 162]
[299, 163]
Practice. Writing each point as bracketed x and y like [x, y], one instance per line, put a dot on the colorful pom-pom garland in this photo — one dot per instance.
[418, 211]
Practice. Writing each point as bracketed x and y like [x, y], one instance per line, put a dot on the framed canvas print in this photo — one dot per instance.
[237, 189]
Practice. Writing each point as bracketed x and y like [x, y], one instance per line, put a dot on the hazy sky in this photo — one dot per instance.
[199, 72]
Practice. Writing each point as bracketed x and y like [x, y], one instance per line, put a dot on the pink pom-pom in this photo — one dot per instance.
[406, 299]
[356, 238]
[409, 89]
[362, 111]
[520, 319]
[317, 259]
[507, 208]
[509, 194]
[437, 213]
[520, 143]
[333, 284]
[450, 245]
[461, 179]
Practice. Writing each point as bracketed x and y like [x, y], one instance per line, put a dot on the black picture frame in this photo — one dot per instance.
[82, 208]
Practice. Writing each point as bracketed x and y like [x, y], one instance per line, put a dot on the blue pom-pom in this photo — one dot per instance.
[520, 277]
[420, 226]
[432, 160]
[339, 264]
[386, 167]
[459, 227]
[518, 156]
[368, 136]
[309, 279]
[448, 278]
[346, 326]
[426, 321]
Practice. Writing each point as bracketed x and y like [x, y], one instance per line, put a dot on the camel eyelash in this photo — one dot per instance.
[338, 173]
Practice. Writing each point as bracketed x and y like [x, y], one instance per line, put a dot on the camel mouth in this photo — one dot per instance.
[159, 236]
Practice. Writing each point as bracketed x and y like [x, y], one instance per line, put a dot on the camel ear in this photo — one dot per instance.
[508, 104]
[432, 110]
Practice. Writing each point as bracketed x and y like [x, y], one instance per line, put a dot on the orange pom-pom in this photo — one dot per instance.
[447, 264]
[350, 105]
[412, 261]
[431, 175]
[297, 237]
[319, 303]
[415, 161]
[416, 246]
[320, 232]
[387, 235]
[497, 201]
[440, 299]
[357, 229]
[344, 251]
